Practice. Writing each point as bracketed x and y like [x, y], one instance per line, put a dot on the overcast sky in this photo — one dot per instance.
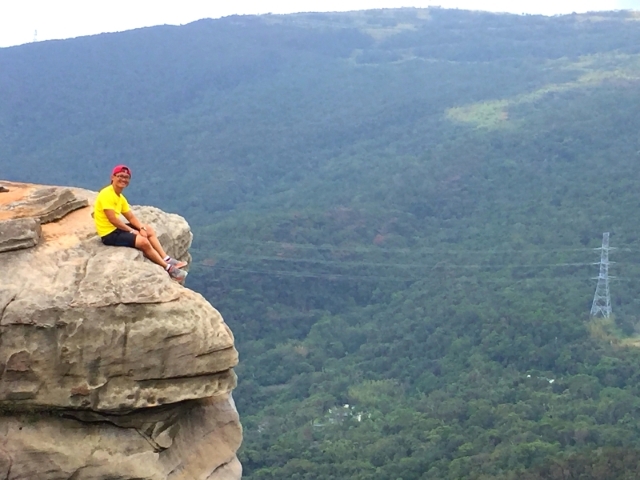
[53, 19]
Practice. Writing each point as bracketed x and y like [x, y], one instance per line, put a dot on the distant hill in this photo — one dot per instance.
[395, 210]
[235, 104]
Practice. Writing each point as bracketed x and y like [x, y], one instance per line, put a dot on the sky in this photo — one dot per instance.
[23, 21]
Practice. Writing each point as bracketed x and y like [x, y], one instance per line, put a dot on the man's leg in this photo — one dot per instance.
[143, 243]
[120, 238]
[149, 251]
[155, 243]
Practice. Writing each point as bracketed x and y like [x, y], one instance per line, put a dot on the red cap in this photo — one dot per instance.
[121, 168]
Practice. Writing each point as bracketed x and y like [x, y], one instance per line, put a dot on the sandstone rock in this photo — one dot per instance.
[47, 204]
[220, 440]
[140, 367]
[17, 234]
[151, 445]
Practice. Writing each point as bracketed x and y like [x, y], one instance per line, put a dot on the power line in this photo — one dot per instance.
[339, 276]
[330, 276]
[403, 250]
[355, 263]
[229, 259]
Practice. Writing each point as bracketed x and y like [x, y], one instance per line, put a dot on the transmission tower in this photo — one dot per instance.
[602, 298]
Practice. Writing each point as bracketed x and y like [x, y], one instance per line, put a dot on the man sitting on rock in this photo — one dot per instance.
[110, 203]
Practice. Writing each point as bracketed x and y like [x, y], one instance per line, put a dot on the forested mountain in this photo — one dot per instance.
[397, 212]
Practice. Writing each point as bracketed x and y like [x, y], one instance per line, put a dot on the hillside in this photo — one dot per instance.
[394, 210]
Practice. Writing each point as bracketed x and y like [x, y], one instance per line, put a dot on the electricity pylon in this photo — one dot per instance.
[602, 298]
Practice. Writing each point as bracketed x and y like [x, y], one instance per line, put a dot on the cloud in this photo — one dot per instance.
[629, 5]
[533, 6]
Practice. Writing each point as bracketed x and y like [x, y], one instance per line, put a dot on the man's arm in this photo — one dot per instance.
[135, 223]
[115, 220]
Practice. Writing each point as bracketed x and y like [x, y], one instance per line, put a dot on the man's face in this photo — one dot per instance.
[121, 180]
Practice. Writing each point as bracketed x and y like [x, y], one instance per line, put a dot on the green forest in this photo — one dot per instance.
[399, 214]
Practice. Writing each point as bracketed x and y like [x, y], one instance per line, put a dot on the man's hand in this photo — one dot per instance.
[143, 231]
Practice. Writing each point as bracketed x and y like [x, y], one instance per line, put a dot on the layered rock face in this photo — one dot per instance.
[108, 368]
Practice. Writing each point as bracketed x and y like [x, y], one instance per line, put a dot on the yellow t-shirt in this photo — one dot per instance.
[108, 199]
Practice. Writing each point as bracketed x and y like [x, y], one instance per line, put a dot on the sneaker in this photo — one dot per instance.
[176, 274]
[176, 263]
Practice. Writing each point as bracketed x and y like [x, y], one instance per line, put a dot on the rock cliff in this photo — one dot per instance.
[108, 369]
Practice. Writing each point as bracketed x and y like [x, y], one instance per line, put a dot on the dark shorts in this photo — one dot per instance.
[120, 238]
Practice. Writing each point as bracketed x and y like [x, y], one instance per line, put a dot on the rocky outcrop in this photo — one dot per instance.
[16, 234]
[108, 369]
[46, 204]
